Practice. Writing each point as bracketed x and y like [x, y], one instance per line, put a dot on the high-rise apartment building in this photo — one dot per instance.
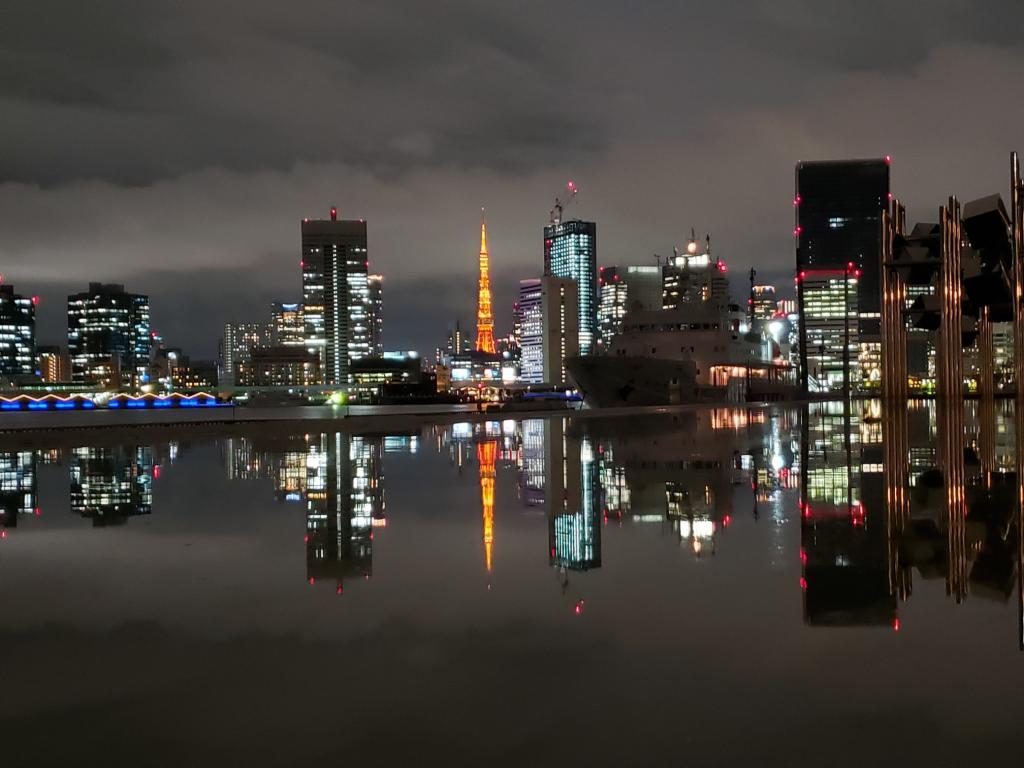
[376, 285]
[764, 303]
[240, 339]
[570, 252]
[624, 290]
[54, 365]
[109, 336]
[838, 207]
[336, 293]
[17, 335]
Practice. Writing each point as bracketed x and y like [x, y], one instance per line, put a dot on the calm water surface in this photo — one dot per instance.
[711, 588]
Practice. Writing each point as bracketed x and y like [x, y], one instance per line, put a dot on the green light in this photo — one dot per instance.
[338, 398]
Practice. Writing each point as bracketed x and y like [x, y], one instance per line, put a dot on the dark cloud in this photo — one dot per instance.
[160, 139]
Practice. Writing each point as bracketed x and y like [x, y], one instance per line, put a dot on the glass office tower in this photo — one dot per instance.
[17, 334]
[838, 207]
[570, 251]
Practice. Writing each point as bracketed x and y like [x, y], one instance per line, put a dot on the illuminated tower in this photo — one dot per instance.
[486, 454]
[484, 318]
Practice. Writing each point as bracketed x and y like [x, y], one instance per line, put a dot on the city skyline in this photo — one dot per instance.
[798, 82]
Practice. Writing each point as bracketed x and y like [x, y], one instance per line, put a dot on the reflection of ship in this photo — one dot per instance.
[683, 355]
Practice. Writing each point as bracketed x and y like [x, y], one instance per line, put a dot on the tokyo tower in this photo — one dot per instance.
[484, 318]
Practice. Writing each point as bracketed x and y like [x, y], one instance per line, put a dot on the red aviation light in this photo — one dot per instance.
[797, 200]
[888, 159]
[35, 301]
[797, 231]
[803, 584]
[38, 511]
[340, 590]
[803, 556]
[334, 214]
[312, 581]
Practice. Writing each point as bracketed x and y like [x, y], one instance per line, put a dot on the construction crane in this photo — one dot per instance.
[560, 206]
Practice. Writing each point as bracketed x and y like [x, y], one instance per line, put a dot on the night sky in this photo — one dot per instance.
[175, 146]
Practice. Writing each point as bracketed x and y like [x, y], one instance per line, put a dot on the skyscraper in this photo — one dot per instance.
[623, 290]
[484, 316]
[17, 334]
[838, 207]
[695, 277]
[550, 333]
[287, 325]
[108, 336]
[376, 284]
[570, 251]
[336, 293]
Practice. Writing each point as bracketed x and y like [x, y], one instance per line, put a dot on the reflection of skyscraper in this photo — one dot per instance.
[344, 501]
[109, 485]
[17, 486]
[486, 456]
[846, 546]
[573, 496]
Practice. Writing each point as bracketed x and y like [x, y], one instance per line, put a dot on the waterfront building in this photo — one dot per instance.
[54, 365]
[838, 207]
[279, 367]
[829, 329]
[336, 294]
[194, 375]
[17, 335]
[570, 252]
[287, 325]
[694, 276]
[109, 338]
[529, 321]
[18, 486]
[376, 286]
[623, 290]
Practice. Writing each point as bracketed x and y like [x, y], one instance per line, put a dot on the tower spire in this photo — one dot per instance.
[484, 317]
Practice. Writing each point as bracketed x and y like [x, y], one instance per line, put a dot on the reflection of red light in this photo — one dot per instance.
[38, 511]
[803, 556]
[803, 583]
[552, 551]
[3, 534]
[726, 520]
[896, 624]
[312, 581]
[306, 538]
[339, 590]
[156, 471]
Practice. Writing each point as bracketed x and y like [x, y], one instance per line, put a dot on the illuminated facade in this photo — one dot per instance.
[484, 315]
[838, 206]
[829, 329]
[18, 492]
[109, 336]
[764, 304]
[17, 334]
[529, 320]
[570, 252]
[376, 285]
[240, 339]
[54, 365]
[623, 290]
[548, 328]
[287, 325]
[279, 367]
[336, 294]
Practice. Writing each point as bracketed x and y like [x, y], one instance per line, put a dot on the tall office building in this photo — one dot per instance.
[550, 332]
[570, 251]
[838, 207]
[829, 333]
[336, 293]
[764, 303]
[54, 365]
[108, 336]
[624, 290]
[240, 339]
[376, 284]
[17, 334]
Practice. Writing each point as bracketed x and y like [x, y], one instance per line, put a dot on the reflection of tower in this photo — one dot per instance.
[574, 526]
[17, 486]
[486, 455]
[109, 485]
[344, 500]
[484, 318]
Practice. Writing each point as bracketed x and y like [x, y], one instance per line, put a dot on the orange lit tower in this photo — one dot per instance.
[486, 455]
[484, 318]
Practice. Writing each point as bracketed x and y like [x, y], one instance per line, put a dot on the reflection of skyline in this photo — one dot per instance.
[18, 491]
[111, 484]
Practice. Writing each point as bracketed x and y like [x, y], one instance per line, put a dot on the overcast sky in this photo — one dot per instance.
[175, 146]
